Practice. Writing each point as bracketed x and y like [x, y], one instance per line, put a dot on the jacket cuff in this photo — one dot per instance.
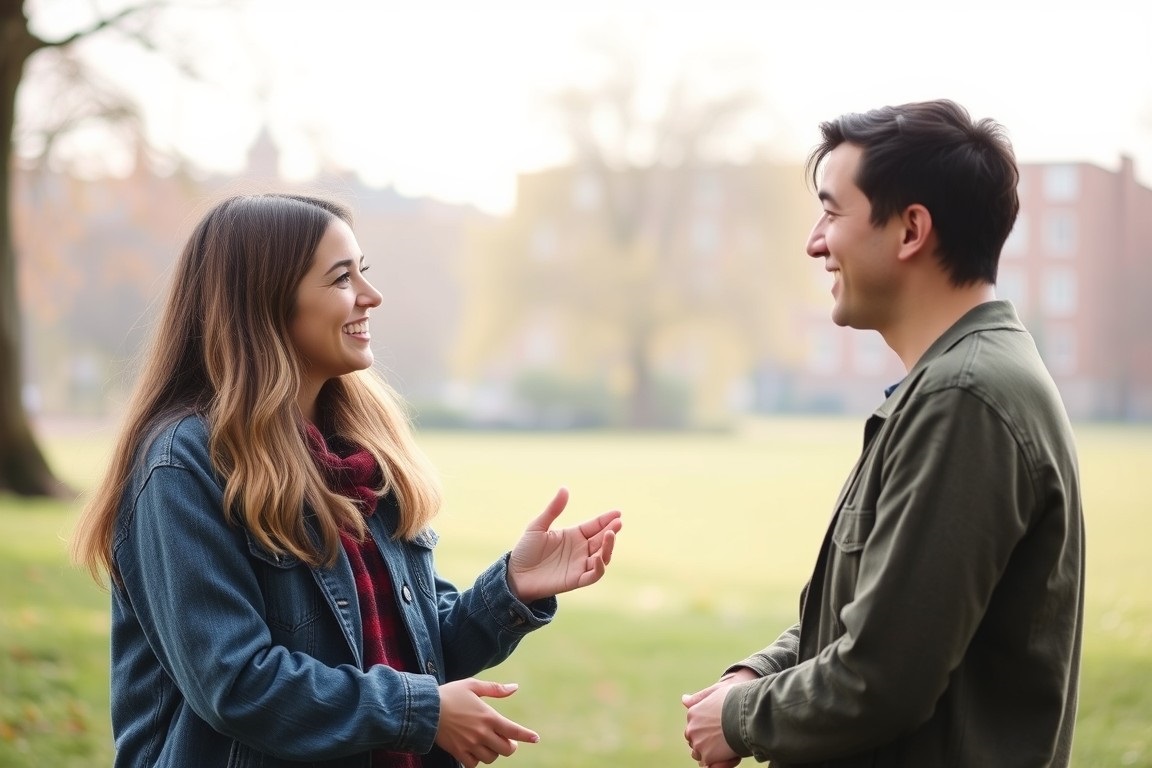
[732, 717]
[758, 663]
[511, 614]
[422, 705]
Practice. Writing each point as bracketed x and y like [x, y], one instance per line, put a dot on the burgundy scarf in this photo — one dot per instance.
[356, 475]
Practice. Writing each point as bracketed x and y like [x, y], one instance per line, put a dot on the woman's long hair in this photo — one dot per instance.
[222, 350]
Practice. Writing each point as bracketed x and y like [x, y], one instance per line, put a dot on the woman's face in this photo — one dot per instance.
[329, 329]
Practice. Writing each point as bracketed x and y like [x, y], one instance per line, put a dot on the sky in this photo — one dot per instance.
[451, 99]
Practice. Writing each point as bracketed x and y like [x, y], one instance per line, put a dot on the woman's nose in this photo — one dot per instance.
[369, 296]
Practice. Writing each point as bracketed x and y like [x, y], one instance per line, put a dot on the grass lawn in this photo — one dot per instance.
[720, 533]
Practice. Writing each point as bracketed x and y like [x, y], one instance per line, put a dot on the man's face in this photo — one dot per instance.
[860, 256]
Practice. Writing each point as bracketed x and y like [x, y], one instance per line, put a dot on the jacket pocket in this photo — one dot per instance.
[241, 756]
[292, 603]
[853, 526]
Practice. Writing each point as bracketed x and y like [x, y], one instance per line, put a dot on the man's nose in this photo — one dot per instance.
[816, 246]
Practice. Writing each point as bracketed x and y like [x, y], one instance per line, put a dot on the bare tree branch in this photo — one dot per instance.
[75, 97]
[108, 21]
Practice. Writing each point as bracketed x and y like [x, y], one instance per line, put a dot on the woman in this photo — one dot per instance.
[264, 524]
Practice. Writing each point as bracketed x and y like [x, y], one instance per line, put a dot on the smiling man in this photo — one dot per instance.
[941, 624]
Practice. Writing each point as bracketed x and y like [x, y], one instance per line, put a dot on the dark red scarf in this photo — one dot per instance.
[356, 474]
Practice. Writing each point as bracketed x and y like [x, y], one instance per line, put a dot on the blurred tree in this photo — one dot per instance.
[653, 244]
[640, 178]
[23, 468]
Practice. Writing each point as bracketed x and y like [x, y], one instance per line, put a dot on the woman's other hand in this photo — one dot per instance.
[472, 731]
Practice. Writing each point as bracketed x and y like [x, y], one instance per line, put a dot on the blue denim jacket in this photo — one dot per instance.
[224, 654]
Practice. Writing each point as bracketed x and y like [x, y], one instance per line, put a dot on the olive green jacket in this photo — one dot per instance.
[942, 623]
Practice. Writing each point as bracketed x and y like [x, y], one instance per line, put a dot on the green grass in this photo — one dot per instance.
[53, 645]
[720, 533]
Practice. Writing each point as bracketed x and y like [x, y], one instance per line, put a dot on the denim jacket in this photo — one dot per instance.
[225, 654]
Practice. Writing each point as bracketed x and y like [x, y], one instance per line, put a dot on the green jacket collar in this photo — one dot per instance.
[991, 315]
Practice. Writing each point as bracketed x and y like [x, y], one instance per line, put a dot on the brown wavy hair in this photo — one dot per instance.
[222, 350]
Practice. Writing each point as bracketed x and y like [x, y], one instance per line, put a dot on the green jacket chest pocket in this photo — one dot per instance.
[850, 532]
[852, 529]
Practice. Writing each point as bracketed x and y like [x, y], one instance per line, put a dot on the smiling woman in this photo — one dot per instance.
[265, 524]
[329, 328]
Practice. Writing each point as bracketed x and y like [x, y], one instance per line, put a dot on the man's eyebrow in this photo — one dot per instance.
[826, 197]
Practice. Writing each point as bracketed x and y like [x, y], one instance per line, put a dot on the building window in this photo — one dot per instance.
[1060, 233]
[544, 245]
[707, 191]
[1011, 285]
[539, 344]
[705, 237]
[1017, 242]
[1059, 351]
[1059, 293]
[823, 351]
[1061, 183]
[870, 353]
[749, 239]
[586, 192]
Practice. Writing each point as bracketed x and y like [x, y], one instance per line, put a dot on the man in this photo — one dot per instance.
[942, 623]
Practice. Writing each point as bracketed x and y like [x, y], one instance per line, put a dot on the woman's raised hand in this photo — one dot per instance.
[546, 562]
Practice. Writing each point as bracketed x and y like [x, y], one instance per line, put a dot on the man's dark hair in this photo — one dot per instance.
[932, 153]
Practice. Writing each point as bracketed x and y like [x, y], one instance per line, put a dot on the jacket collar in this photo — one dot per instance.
[989, 316]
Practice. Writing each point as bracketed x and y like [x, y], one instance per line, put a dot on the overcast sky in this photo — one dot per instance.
[440, 98]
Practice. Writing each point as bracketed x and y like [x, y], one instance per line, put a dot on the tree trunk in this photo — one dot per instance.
[642, 410]
[23, 469]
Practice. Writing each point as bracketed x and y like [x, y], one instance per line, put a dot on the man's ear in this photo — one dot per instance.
[918, 231]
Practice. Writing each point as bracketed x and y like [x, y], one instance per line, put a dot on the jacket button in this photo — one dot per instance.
[430, 668]
[406, 593]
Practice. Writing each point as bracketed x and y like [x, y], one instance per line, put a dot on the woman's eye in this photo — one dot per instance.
[344, 278]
